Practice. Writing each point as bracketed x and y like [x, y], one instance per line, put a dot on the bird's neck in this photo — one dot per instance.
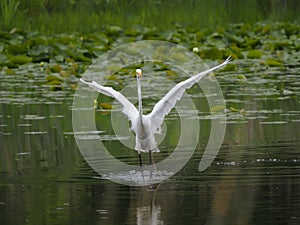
[139, 96]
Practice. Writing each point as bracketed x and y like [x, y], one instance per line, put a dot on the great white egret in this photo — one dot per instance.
[145, 126]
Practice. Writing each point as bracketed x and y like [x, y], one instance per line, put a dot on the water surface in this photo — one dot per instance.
[255, 178]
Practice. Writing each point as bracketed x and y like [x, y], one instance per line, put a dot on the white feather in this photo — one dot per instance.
[145, 126]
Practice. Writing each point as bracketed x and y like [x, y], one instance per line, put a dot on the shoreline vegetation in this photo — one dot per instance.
[56, 16]
[61, 38]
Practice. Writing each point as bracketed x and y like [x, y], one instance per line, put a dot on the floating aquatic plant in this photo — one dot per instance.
[64, 57]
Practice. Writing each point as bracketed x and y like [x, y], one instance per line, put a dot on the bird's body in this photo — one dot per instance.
[146, 126]
[145, 140]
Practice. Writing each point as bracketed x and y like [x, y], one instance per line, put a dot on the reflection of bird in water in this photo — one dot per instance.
[149, 215]
[145, 126]
[150, 212]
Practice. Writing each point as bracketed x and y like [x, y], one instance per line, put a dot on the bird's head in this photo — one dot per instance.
[138, 73]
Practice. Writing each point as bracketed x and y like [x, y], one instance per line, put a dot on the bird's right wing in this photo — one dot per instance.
[165, 105]
[128, 108]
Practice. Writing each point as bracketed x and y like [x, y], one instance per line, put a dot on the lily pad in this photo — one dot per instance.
[241, 77]
[40, 52]
[105, 105]
[55, 68]
[229, 67]
[234, 38]
[51, 78]
[274, 62]
[177, 56]
[170, 73]
[255, 54]
[211, 53]
[19, 59]
[17, 49]
[9, 71]
[217, 108]
[55, 82]
[64, 73]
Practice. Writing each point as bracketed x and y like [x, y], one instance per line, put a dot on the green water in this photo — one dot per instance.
[253, 180]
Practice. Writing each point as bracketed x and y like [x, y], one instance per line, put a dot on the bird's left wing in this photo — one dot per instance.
[128, 108]
[165, 105]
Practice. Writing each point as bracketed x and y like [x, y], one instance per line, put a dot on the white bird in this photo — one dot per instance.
[145, 126]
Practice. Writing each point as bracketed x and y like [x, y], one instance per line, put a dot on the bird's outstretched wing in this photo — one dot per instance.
[165, 105]
[128, 108]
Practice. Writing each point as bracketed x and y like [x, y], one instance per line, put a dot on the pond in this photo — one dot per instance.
[255, 178]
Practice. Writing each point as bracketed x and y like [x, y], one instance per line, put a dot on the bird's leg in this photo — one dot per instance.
[150, 158]
[141, 165]
[140, 158]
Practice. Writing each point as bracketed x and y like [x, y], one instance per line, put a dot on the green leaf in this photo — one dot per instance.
[255, 54]
[241, 77]
[55, 82]
[232, 109]
[17, 49]
[106, 105]
[19, 59]
[235, 39]
[39, 52]
[9, 71]
[217, 108]
[211, 53]
[177, 56]
[229, 67]
[55, 68]
[51, 78]
[274, 62]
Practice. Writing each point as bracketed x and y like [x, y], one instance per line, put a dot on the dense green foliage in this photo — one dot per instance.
[63, 56]
[93, 15]
[63, 37]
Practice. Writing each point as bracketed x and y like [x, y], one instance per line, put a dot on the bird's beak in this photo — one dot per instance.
[139, 73]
